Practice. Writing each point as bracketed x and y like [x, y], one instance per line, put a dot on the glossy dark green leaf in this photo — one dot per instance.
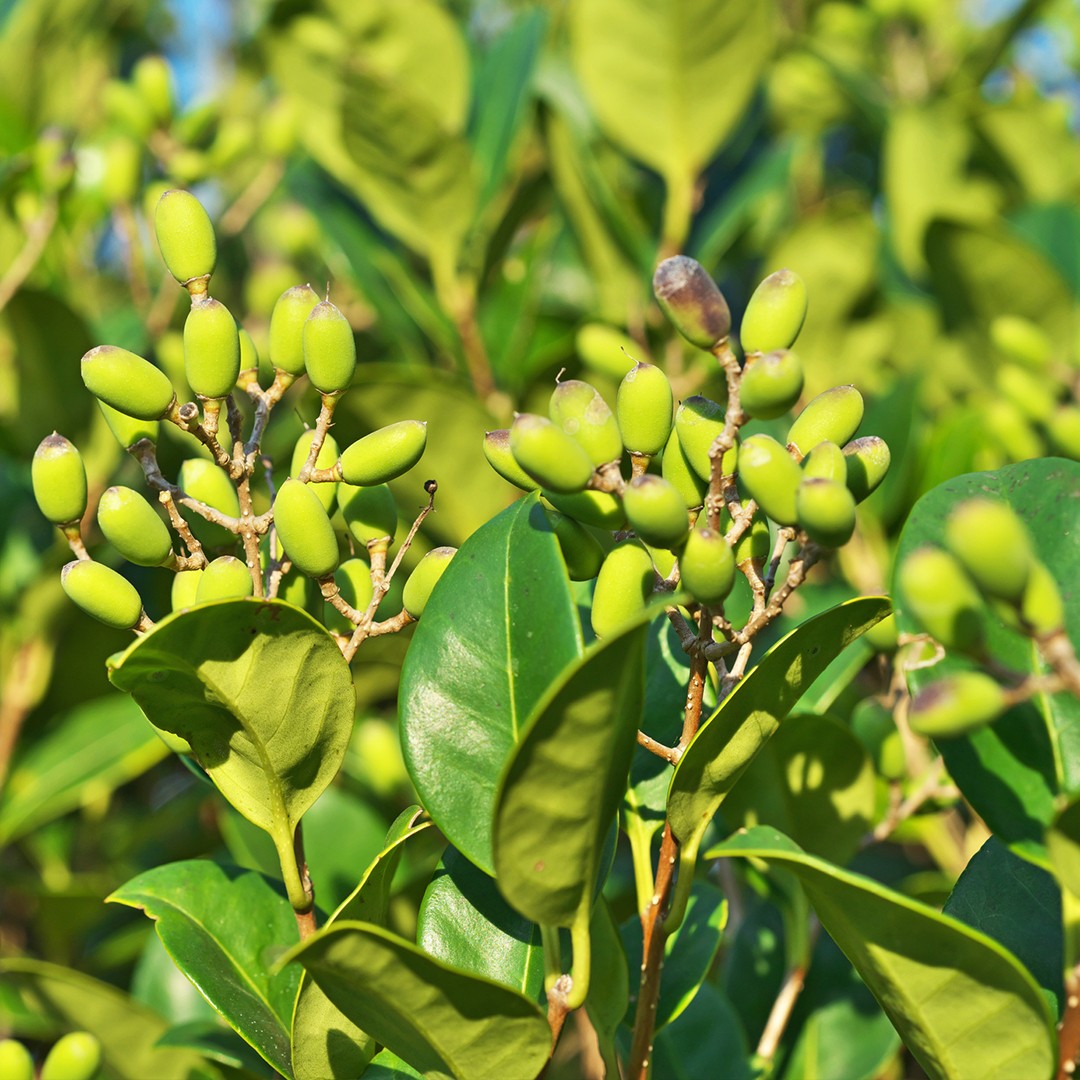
[1063, 843]
[263, 695]
[566, 779]
[814, 782]
[499, 629]
[963, 1004]
[705, 1038]
[440, 1020]
[92, 750]
[128, 1032]
[224, 927]
[218, 1043]
[465, 922]
[1013, 771]
[730, 739]
[1017, 904]
[387, 1066]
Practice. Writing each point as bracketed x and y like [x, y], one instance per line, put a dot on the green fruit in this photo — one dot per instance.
[826, 462]
[699, 421]
[755, 543]
[578, 409]
[328, 455]
[224, 579]
[656, 511]
[771, 384]
[939, 595]
[623, 586]
[122, 170]
[955, 705]
[1028, 391]
[501, 458]
[16, 1062]
[353, 579]
[425, 576]
[1041, 606]
[1064, 430]
[833, 416]
[185, 236]
[826, 511]
[127, 382]
[691, 301]
[606, 350]
[370, 513]
[287, 322]
[126, 108]
[102, 593]
[329, 349]
[384, 454]
[185, 588]
[304, 529]
[868, 461]
[551, 457]
[581, 551]
[882, 637]
[152, 80]
[675, 467]
[774, 315]
[211, 348]
[303, 593]
[873, 725]
[771, 477]
[58, 477]
[1007, 430]
[643, 408]
[128, 429]
[1021, 340]
[249, 355]
[205, 481]
[992, 544]
[707, 566]
[601, 509]
[76, 1056]
[133, 527]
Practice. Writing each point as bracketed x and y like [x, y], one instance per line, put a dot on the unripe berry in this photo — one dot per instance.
[605, 349]
[133, 527]
[1020, 339]
[152, 79]
[1041, 606]
[15, 1061]
[956, 704]
[707, 566]
[304, 529]
[58, 477]
[698, 420]
[384, 454]
[551, 457]
[675, 467]
[774, 315]
[826, 511]
[424, 578]
[643, 407]
[1028, 391]
[185, 236]
[868, 461]
[825, 462]
[303, 593]
[76, 1056]
[128, 429]
[329, 349]
[883, 636]
[755, 542]
[1064, 430]
[126, 109]
[127, 382]
[249, 355]
[578, 409]
[287, 328]
[185, 588]
[501, 458]
[328, 455]
[771, 477]
[691, 301]
[833, 416]
[203, 480]
[601, 509]
[353, 579]
[102, 593]
[992, 544]
[581, 551]
[771, 384]
[656, 510]
[940, 596]
[370, 513]
[211, 348]
[122, 172]
[623, 586]
[226, 578]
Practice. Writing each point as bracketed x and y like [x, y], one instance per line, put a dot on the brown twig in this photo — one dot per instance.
[668, 753]
[1069, 1028]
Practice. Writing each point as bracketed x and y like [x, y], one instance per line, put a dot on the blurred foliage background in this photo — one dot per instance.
[487, 186]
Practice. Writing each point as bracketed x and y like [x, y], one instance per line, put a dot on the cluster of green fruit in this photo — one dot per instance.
[307, 336]
[688, 465]
[75, 1056]
[988, 559]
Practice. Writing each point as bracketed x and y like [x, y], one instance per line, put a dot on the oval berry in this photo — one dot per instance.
[623, 587]
[185, 236]
[329, 349]
[424, 578]
[58, 477]
[384, 454]
[102, 593]
[226, 578]
[286, 337]
[693, 304]
[644, 409]
[775, 314]
[707, 566]
[656, 510]
[304, 529]
[578, 408]
[550, 456]
[133, 527]
[211, 348]
[127, 382]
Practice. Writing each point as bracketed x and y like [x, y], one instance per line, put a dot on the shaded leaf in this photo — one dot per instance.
[609, 987]
[217, 1043]
[695, 1043]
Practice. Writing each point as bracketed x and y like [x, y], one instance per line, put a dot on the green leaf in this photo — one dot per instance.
[465, 921]
[708, 1033]
[566, 779]
[1063, 844]
[442, 1021]
[160, 985]
[730, 739]
[814, 782]
[93, 750]
[1054, 231]
[218, 1043]
[474, 670]
[263, 695]
[964, 1006]
[223, 927]
[128, 1032]
[609, 988]
[1019, 905]
[1013, 771]
[387, 1066]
